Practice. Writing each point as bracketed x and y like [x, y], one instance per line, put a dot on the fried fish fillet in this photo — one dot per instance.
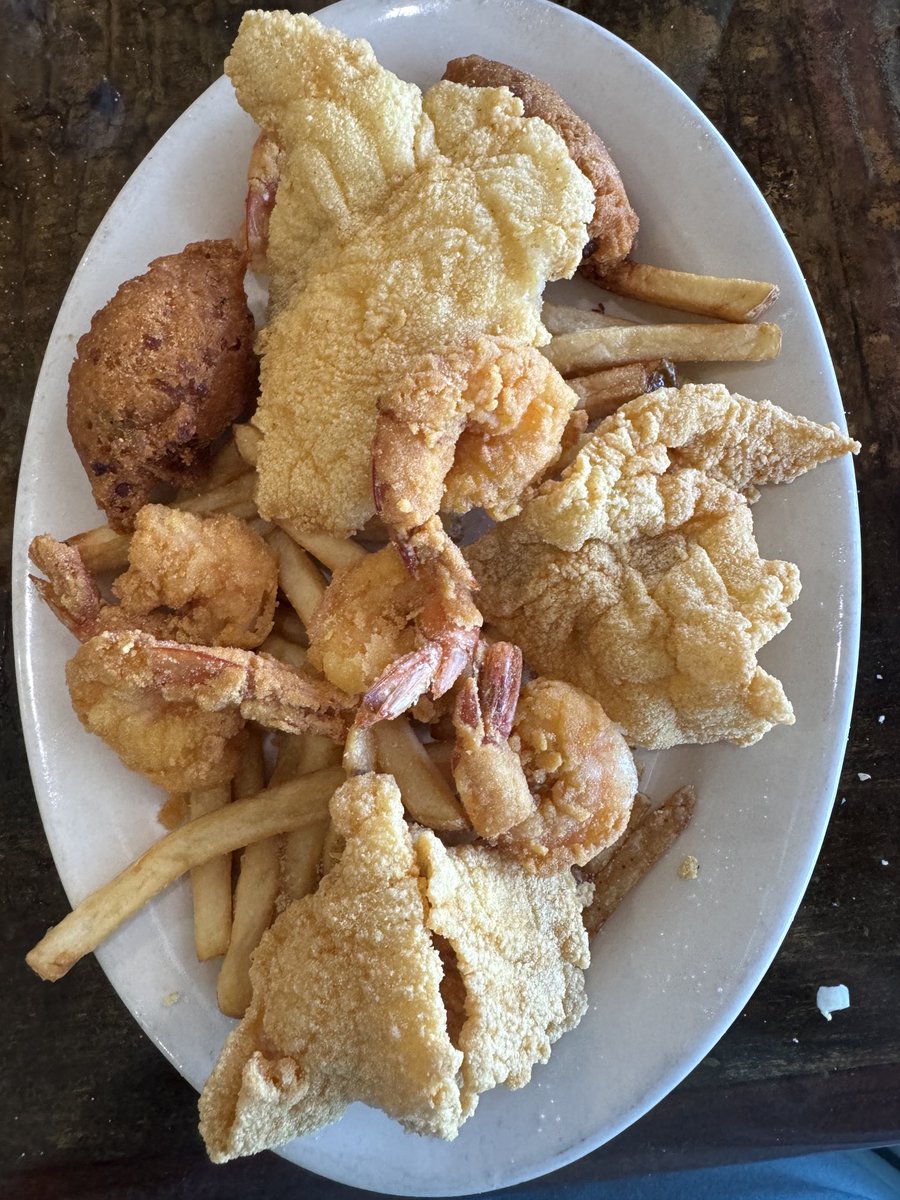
[406, 231]
[637, 577]
[366, 936]
[614, 225]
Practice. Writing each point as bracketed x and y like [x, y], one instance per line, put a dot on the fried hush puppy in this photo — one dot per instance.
[165, 368]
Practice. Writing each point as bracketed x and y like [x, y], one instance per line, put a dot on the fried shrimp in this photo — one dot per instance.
[486, 769]
[467, 430]
[176, 713]
[207, 580]
[580, 773]
[393, 636]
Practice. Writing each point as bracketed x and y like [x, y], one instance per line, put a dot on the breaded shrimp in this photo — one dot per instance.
[202, 579]
[176, 712]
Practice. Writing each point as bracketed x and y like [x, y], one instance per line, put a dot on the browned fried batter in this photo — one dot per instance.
[614, 225]
[165, 368]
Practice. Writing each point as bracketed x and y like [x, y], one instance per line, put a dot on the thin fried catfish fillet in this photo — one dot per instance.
[520, 950]
[637, 576]
[346, 999]
[611, 489]
[613, 227]
[413, 979]
[407, 233]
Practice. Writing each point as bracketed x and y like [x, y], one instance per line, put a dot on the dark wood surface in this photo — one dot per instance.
[807, 93]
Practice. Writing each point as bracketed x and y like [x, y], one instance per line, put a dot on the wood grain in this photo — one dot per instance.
[807, 95]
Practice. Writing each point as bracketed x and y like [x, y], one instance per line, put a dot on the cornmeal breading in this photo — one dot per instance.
[612, 490]
[521, 950]
[638, 579]
[346, 999]
[349, 988]
[435, 223]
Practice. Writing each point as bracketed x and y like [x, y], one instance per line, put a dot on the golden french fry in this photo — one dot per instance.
[289, 626]
[236, 497]
[283, 650]
[591, 349]
[254, 896]
[332, 848]
[298, 576]
[427, 796]
[211, 882]
[102, 549]
[332, 552]
[246, 440]
[708, 295]
[302, 849]
[637, 852]
[601, 393]
[360, 752]
[560, 318]
[276, 810]
[226, 465]
[441, 755]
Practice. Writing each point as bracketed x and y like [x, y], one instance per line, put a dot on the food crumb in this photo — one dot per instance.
[832, 999]
[172, 998]
[863, 776]
[690, 867]
[884, 862]
[881, 719]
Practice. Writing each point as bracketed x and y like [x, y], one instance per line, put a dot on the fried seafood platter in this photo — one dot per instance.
[397, 590]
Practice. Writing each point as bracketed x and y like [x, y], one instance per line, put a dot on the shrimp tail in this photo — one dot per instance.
[69, 588]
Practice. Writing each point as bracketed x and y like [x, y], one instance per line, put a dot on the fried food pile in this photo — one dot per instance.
[636, 576]
[408, 247]
[372, 937]
[425, 838]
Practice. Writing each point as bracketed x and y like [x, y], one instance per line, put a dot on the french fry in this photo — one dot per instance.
[246, 440]
[637, 852]
[298, 576]
[102, 549]
[601, 393]
[254, 896]
[441, 756]
[227, 464]
[211, 882]
[302, 850]
[561, 318]
[289, 626]
[592, 349]
[276, 810]
[283, 650]
[708, 295]
[427, 796]
[332, 552]
[360, 754]
[236, 497]
[332, 848]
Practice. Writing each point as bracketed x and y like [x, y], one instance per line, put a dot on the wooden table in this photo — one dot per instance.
[89, 1107]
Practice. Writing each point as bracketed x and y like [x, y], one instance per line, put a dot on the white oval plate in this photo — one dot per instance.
[679, 960]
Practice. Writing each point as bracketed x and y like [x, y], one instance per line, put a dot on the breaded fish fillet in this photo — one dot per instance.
[637, 577]
[298, 1058]
[406, 228]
